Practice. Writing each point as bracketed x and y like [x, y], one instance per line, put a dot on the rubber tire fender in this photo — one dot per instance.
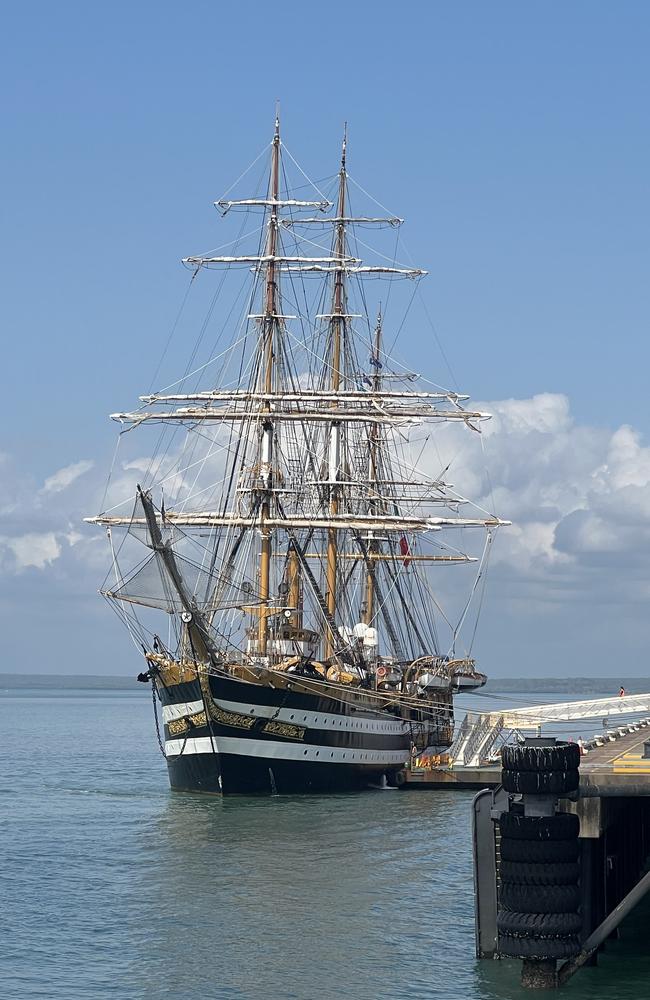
[560, 757]
[548, 873]
[541, 782]
[562, 826]
[539, 852]
[540, 898]
[538, 924]
[541, 947]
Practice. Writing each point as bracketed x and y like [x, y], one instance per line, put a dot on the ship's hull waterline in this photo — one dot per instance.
[233, 737]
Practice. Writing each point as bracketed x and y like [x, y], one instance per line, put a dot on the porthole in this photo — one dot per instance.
[305, 752]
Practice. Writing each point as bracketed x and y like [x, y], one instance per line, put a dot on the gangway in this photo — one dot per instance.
[480, 730]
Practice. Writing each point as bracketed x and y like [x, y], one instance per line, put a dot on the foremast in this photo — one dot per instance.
[337, 327]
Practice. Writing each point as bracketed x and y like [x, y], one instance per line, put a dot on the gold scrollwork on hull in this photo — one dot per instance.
[177, 726]
[172, 671]
[284, 729]
[220, 714]
[232, 718]
[241, 721]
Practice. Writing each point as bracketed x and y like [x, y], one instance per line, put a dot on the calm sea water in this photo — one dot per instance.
[112, 886]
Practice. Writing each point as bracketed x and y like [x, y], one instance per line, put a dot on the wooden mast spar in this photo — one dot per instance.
[269, 321]
[373, 475]
[337, 325]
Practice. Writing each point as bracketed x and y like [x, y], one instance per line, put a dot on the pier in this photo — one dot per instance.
[613, 766]
[473, 760]
[541, 895]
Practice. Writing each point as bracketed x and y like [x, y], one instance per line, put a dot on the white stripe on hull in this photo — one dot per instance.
[313, 720]
[319, 720]
[284, 751]
[179, 711]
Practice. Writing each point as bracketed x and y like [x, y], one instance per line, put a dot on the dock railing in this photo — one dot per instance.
[479, 731]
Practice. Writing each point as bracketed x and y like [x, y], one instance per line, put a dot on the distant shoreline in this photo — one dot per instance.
[71, 682]
[569, 685]
[496, 685]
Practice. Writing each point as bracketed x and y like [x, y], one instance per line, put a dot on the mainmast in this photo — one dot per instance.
[268, 326]
[369, 603]
[337, 327]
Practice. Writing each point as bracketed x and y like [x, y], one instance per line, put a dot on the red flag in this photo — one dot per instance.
[405, 548]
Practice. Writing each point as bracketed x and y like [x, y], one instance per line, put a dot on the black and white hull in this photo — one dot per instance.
[241, 738]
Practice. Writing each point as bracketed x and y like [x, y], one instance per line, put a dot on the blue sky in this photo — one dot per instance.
[512, 137]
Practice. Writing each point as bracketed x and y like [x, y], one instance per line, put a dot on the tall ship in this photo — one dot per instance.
[277, 563]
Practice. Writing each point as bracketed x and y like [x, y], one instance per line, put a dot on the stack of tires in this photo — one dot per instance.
[539, 871]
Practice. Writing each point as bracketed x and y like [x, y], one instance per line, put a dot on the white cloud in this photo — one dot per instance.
[37, 549]
[568, 583]
[65, 477]
[578, 496]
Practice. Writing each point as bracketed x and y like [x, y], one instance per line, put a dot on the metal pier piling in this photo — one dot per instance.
[553, 913]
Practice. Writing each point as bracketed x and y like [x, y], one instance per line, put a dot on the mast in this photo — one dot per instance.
[294, 592]
[373, 474]
[337, 326]
[269, 321]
